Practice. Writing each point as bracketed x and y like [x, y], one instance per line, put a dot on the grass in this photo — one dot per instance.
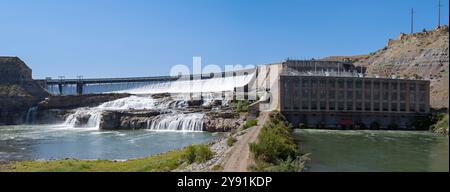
[276, 149]
[250, 123]
[156, 163]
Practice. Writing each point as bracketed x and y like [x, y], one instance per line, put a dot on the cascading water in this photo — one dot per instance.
[193, 86]
[177, 122]
[172, 119]
[31, 115]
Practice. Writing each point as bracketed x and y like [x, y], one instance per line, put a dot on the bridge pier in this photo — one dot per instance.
[80, 88]
[60, 88]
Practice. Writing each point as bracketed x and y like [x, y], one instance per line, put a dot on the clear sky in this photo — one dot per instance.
[117, 38]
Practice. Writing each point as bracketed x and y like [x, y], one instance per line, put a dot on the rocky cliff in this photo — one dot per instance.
[423, 55]
[18, 91]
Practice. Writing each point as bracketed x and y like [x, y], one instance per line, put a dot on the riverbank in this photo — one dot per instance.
[441, 125]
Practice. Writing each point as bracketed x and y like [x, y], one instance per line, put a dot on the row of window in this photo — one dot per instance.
[349, 92]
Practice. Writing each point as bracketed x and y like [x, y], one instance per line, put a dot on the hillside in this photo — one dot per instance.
[422, 55]
[18, 91]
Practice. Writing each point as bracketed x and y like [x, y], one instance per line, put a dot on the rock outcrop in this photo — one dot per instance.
[77, 101]
[419, 55]
[128, 120]
[18, 91]
[222, 121]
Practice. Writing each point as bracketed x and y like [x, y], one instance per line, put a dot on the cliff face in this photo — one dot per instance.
[420, 55]
[18, 91]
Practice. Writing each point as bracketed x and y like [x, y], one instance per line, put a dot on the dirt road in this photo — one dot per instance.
[239, 159]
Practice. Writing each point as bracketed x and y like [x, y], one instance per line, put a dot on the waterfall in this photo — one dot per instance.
[176, 122]
[193, 86]
[31, 115]
[173, 121]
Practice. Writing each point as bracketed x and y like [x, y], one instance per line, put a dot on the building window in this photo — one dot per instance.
[313, 104]
[341, 95]
[349, 84]
[341, 83]
[376, 106]
[393, 106]
[358, 106]
[422, 87]
[367, 85]
[422, 108]
[358, 95]
[402, 107]
[341, 106]
[332, 105]
[323, 105]
[422, 97]
[358, 84]
[385, 106]
[349, 105]
[367, 106]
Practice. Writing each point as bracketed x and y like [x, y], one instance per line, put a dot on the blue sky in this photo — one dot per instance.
[116, 38]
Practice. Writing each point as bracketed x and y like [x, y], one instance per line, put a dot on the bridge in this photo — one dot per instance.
[81, 86]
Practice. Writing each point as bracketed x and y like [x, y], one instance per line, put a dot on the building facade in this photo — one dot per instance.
[352, 101]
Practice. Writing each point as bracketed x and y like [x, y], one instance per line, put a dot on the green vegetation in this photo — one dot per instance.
[276, 149]
[197, 153]
[230, 141]
[156, 163]
[441, 124]
[241, 106]
[437, 123]
[250, 123]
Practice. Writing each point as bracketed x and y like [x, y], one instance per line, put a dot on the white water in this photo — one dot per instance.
[177, 122]
[173, 120]
[93, 115]
[193, 86]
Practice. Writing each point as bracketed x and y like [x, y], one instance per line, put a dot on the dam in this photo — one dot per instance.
[310, 93]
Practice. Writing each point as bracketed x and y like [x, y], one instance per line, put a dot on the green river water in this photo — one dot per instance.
[378, 151]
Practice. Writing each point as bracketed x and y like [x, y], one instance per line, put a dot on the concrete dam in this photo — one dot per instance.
[310, 93]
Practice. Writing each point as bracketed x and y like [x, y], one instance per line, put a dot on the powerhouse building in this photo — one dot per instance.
[322, 94]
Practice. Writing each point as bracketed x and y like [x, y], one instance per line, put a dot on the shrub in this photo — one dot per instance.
[296, 164]
[242, 106]
[250, 123]
[230, 141]
[275, 141]
[197, 153]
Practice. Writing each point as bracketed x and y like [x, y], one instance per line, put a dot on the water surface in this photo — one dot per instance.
[374, 150]
[46, 142]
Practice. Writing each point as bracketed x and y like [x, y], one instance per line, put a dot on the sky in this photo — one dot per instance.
[116, 38]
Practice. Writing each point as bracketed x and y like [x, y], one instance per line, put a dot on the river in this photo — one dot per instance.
[374, 151]
[50, 142]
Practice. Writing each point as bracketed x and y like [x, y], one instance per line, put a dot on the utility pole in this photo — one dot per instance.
[412, 20]
[439, 13]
